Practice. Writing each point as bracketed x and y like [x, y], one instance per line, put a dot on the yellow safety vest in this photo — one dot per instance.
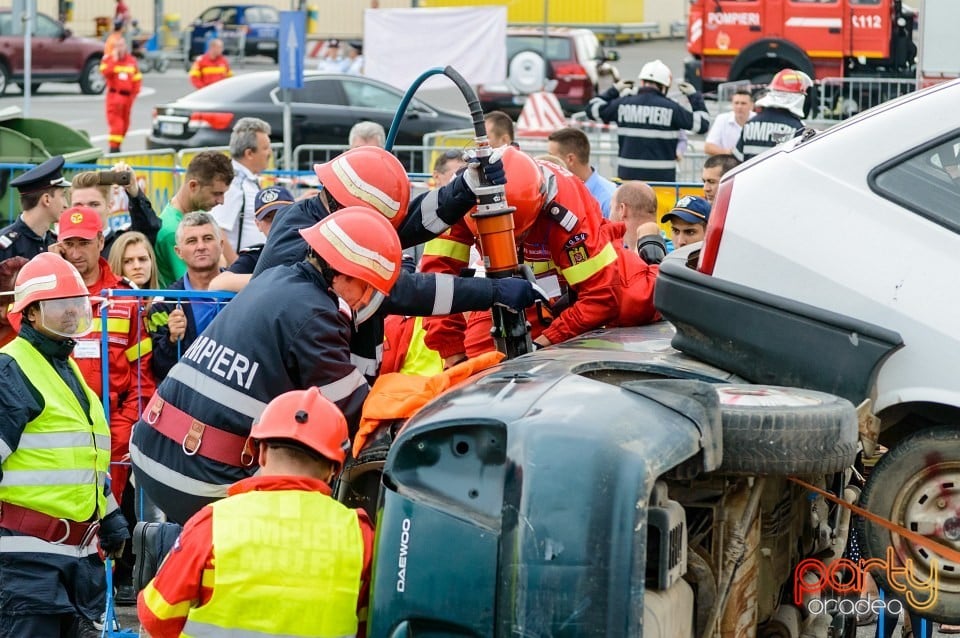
[420, 359]
[61, 463]
[286, 563]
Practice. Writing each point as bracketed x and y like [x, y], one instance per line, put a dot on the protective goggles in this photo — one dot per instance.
[71, 317]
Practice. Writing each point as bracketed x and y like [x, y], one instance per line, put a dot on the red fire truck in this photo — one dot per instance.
[731, 40]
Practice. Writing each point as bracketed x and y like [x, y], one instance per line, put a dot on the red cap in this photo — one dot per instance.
[79, 221]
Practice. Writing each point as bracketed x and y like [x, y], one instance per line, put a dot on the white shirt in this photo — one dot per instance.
[725, 132]
[241, 196]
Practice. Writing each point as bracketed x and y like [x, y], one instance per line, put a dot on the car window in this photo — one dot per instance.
[210, 15]
[47, 28]
[5, 24]
[927, 182]
[229, 16]
[320, 91]
[557, 48]
[269, 14]
[370, 96]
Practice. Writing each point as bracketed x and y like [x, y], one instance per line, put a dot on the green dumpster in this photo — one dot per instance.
[32, 141]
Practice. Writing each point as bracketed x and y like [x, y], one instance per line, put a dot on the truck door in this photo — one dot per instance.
[815, 26]
[730, 25]
[870, 28]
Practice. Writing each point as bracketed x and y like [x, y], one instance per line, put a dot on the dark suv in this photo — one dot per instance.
[58, 56]
[573, 58]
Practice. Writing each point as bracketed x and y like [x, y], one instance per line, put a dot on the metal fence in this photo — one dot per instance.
[842, 98]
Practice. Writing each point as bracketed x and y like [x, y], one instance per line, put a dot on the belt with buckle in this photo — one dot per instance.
[196, 437]
[50, 528]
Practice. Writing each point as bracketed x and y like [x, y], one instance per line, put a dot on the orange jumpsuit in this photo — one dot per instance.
[574, 253]
[123, 84]
[206, 70]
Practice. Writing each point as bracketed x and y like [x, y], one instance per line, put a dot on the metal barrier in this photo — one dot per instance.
[611, 32]
[841, 98]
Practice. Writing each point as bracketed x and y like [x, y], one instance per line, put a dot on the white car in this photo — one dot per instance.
[831, 262]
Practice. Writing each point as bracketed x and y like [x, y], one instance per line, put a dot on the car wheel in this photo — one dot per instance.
[917, 485]
[91, 80]
[527, 72]
[4, 77]
[786, 431]
[161, 64]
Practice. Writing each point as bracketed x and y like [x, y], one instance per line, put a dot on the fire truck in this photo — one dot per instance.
[731, 40]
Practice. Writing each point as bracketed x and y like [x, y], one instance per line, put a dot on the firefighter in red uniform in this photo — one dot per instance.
[210, 67]
[278, 556]
[576, 255]
[128, 342]
[123, 77]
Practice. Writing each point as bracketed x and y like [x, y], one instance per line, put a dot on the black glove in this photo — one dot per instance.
[652, 249]
[113, 533]
[493, 171]
[514, 293]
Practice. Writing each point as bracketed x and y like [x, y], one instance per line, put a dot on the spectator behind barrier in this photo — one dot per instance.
[635, 204]
[499, 128]
[132, 256]
[367, 133]
[174, 325]
[714, 168]
[204, 186]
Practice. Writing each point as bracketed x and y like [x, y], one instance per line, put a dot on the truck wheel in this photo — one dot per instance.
[786, 431]
[917, 485]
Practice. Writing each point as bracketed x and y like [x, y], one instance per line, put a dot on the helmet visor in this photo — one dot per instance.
[70, 317]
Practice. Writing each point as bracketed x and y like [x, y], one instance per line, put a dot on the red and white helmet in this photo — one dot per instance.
[51, 281]
[787, 90]
[358, 242]
[308, 418]
[525, 190]
[790, 81]
[656, 72]
[368, 176]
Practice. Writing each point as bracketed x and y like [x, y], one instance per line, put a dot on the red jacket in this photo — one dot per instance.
[179, 585]
[128, 351]
[205, 70]
[569, 248]
[122, 76]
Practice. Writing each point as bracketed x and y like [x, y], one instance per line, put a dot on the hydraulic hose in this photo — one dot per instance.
[494, 217]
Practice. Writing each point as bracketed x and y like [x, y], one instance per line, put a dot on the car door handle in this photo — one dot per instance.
[755, 27]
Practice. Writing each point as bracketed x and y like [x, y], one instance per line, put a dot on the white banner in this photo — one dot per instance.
[400, 44]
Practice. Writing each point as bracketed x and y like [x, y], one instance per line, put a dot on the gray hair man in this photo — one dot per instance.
[367, 133]
[250, 151]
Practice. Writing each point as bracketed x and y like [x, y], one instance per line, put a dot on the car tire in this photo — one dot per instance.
[912, 486]
[161, 64]
[4, 78]
[91, 80]
[527, 71]
[774, 431]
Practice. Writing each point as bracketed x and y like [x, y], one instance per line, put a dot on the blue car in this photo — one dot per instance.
[256, 25]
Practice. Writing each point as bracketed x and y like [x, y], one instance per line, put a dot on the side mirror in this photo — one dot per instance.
[65, 33]
[611, 56]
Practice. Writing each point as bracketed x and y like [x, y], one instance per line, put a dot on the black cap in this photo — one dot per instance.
[356, 44]
[44, 176]
[333, 42]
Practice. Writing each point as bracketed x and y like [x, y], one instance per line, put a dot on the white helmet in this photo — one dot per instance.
[657, 72]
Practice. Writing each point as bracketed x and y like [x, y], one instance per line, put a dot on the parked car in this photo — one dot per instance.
[57, 56]
[608, 486]
[256, 25]
[830, 263]
[323, 111]
[574, 59]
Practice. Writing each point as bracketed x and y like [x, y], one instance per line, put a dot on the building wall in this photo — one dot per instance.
[336, 18]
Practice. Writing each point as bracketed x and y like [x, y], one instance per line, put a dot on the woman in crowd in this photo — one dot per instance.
[132, 257]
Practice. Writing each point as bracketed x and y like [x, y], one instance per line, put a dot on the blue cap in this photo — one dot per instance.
[690, 208]
[47, 175]
[270, 200]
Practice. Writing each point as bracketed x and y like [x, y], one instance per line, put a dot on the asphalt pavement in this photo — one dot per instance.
[65, 104]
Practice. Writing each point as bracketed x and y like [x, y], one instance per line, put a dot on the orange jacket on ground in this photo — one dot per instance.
[399, 396]
[566, 249]
[206, 70]
[186, 578]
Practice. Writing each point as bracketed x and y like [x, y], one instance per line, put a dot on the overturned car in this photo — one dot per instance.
[608, 486]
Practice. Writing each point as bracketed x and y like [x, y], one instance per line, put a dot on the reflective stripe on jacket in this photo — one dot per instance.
[287, 563]
[60, 466]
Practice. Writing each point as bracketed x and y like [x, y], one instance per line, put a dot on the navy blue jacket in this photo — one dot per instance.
[648, 128]
[768, 128]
